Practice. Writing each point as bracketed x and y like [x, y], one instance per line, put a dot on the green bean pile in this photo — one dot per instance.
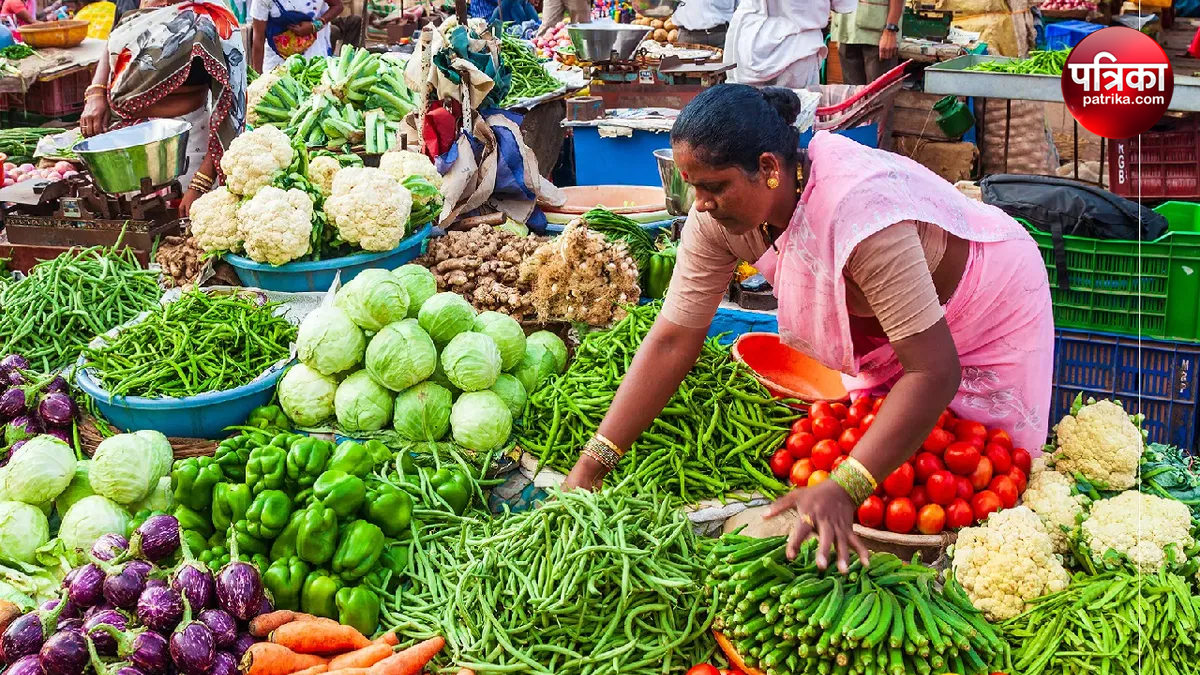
[529, 76]
[51, 315]
[19, 144]
[713, 437]
[1038, 63]
[200, 343]
[1118, 622]
[594, 583]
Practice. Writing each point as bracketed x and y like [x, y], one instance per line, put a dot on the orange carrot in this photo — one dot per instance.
[361, 658]
[318, 637]
[263, 624]
[315, 670]
[347, 671]
[411, 660]
[389, 638]
[265, 658]
[466, 671]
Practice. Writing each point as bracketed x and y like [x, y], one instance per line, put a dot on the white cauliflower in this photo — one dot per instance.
[369, 208]
[1102, 443]
[276, 226]
[1140, 527]
[1007, 562]
[1049, 496]
[321, 171]
[253, 158]
[257, 90]
[404, 163]
[215, 222]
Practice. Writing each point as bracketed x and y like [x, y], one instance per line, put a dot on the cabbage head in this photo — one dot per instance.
[537, 365]
[23, 530]
[373, 299]
[439, 377]
[420, 284]
[161, 498]
[506, 333]
[401, 355]
[306, 395]
[445, 315]
[512, 392]
[79, 488]
[558, 348]
[40, 471]
[123, 469]
[480, 421]
[423, 412]
[87, 521]
[329, 341]
[471, 361]
[164, 456]
[362, 404]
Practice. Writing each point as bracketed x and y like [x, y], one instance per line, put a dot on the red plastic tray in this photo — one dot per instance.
[1168, 166]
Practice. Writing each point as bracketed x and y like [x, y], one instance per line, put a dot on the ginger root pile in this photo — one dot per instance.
[179, 258]
[483, 265]
[581, 276]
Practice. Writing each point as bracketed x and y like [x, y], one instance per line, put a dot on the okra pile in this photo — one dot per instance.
[888, 619]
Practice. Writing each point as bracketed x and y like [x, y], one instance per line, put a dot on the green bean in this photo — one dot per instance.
[529, 77]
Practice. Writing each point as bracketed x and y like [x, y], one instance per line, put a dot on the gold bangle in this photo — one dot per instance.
[202, 176]
[854, 478]
[93, 94]
[602, 454]
[611, 446]
[95, 86]
[201, 188]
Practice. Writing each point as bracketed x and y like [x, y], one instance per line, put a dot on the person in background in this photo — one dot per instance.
[866, 39]
[16, 13]
[704, 22]
[286, 27]
[577, 11]
[779, 42]
[348, 29]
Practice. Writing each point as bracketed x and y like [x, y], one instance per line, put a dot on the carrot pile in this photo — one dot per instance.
[301, 644]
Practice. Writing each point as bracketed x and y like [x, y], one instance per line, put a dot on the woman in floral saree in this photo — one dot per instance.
[182, 61]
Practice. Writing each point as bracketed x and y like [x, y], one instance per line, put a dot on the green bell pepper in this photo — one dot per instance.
[191, 520]
[269, 417]
[260, 561]
[267, 468]
[379, 452]
[453, 486]
[388, 507]
[230, 502]
[392, 567]
[195, 542]
[233, 453]
[285, 580]
[352, 458]
[659, 271]
[306, 460]
[340, 491]
[406, 465]
[284, 545]
[317, 535]
[192, 481]
[359, 550]
[319, 594]
[267, 516]
[358, 606]
[248, 545]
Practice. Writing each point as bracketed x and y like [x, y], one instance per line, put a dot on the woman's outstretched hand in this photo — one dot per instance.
[584, 475]
[825, 511]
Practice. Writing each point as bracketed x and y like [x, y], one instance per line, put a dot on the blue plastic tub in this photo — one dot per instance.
[1067, 34]
[300, 277]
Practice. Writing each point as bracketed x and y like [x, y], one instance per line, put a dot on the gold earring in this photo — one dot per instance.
[772, 183]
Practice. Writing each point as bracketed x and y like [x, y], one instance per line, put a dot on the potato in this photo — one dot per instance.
[669, 25]
[660, 35]
[673, 36]
[656, 24]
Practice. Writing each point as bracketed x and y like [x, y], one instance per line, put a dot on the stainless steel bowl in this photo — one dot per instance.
[119, 160]
[680, 195]
[606, 40]
[655, 9]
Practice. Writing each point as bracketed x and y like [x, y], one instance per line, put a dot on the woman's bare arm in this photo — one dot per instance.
[258, 44]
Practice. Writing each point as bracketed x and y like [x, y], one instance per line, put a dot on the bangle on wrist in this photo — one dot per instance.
[603, 451]
[855, 479]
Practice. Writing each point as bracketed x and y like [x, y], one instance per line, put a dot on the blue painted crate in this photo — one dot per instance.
[1067, 34]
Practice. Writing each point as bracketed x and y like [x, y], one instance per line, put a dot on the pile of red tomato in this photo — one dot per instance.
[963, 471]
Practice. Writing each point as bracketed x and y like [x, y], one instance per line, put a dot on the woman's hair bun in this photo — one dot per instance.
[784, 101]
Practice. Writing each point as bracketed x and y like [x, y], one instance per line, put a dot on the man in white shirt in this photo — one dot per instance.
[780, 42]
[704, 22]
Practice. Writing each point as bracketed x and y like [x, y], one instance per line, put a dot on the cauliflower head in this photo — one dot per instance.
[257, 90]
[321, 171]
[404, 163]
[276, 225]
[1007, 562]
[215, 221]
[1100, 442]
[253, 158]
[1140, 527]
[1049, 496]
[369, 208]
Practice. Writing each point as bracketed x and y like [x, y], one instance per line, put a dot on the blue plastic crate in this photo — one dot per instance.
[1154, 377]
[1067, 34]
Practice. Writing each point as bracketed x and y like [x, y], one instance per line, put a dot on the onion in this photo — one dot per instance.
[63, 167]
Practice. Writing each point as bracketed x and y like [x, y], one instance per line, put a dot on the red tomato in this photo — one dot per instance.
[870, 513]
[1022, 460]
[964, 489]
[1001, 438]
[961, 458]
[820, 409]
[801, 444]
[1005, 489]
[1019, 479]
[817, 478]
[826, 427]
[927, 464]
[781, 463]
[823, 454]
[942, 487]
[919, 497]
[877, 404]
[959, 514]
[731, 671]
[984, 503]
[849, 439]
[866, 422]
[931, 519]
[703, 669]
[858, 410]
[965, 430]
[901, 516]
[802, 425]
[839, 410]
[801, 470]
[938, 440]
[946, 420]
[982, 475]
[838, 461]
[900, 482]
[1001, 460]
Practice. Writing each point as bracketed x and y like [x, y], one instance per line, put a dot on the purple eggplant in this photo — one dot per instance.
[239, 587]
[223, 626]
[224, 664]
[195, 582]
[87, 588]
[12, 402]
[21, 428]
[193, 647]
[93, 611]
[26, 665]
[160, 609]
[68, 612]
[109, 546]
[16, 378]
[126, 583]
[28, 632]
[156, 582]
[63, 435]
[58, 385]
[73, 624]
[244, 642]
[12, 362]
[12, 449]
[56, 409]
[65, 653]
[105, 643]
[102, 668]
[145, 649]
[156, 539]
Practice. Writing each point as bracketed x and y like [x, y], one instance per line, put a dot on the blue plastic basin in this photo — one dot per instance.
[300, 277]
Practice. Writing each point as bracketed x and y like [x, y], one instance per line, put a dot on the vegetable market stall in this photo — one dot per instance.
[51, 81]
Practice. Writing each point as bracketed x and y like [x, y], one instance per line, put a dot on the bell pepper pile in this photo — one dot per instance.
[658, 271]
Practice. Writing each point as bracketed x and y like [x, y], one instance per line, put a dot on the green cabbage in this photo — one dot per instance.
[439, 377]
[23, 530]
[512, 392]
[362, 404]
[558, 348]
[161, 498]
[329, 341]
[164, 455]
[373, 299]
[40, 471]
[480, 421]
[79, 488]
[445, 315]
[87, 521]
[123, 469]
[537, 365]
[471, 361]
[506, 333]
[306, 395]
[423, 412]
[401, 355]
[420, 284]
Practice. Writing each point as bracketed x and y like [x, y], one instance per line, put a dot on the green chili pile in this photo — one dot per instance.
[1038, 63]
[51, 315]
[599, 583]
[200, 343]
[713, 437]
[529, 76]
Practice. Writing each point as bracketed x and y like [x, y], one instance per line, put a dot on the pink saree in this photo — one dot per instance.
[1000, 315]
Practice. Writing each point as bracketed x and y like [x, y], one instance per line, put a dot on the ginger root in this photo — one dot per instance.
[581, 276]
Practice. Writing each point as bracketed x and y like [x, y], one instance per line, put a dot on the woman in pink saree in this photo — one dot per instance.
[883, 271]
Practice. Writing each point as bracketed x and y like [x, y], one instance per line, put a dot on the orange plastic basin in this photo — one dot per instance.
[627, 200]
[786, 372]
